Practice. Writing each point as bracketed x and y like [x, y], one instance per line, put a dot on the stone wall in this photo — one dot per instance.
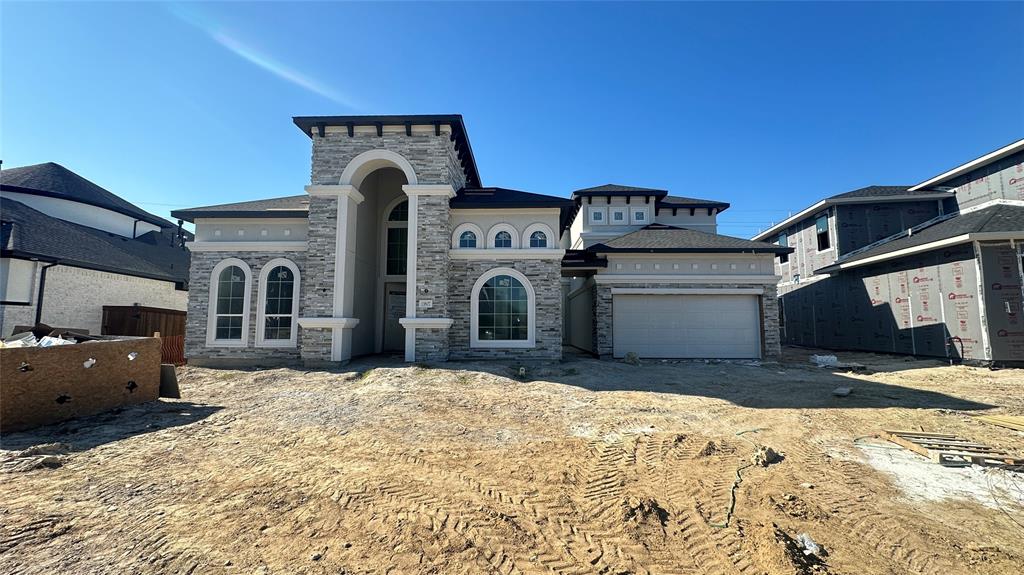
[545, 277]
[196, 350]
[433, 233]
[603, 316]
[435, 161]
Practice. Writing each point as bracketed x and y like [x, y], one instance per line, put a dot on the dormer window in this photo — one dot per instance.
[503, 240]
[639, 216]
[467, 240]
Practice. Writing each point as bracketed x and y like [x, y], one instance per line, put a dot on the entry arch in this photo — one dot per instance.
[368, 162]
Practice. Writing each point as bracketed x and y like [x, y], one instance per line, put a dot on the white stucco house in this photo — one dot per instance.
[397, 246]
[69, 248]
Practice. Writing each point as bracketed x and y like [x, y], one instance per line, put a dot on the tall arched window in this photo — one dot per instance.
[538, 240]
[503, 310]
[503, 239]
[278, 301]
[467, 239]
[397, 240]
[228, 312]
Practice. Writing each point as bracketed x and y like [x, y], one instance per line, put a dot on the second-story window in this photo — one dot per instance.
[821, 227]
[467, 240]
[784, 242]
[538, 240]
[503, 240]
[397, 240]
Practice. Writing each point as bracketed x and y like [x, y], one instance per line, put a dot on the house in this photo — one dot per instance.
[932, 269]
[69, 248]
[397, 246]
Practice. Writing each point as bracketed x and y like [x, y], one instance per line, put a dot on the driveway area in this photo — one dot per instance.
[573, 467]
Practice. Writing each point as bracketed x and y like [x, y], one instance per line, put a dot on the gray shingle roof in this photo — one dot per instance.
[657, 238]
[29, 233]
[470, 198]
[877, 191]
[54, 180]
[285, 207]
[998, 218]
[618, 189]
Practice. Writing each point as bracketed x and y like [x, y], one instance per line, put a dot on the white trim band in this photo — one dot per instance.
[426, 322]
[328, 322]
[339, 190]
[687, 291]
[506, 254]
[206, 246]
[685, 279]
[429, 190]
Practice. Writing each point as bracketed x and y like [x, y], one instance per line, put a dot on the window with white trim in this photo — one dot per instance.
[503, 239]
[597, 216]
[538, 239]
[618, 216]
[279, 304]
[229, 303]
[639, 216]
[467, 239]
[397, 240]
[503, 310]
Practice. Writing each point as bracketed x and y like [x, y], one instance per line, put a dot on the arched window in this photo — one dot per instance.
[279, 296]
[228, 312]
[503, 314]
[467, 239]
[538, 240]
[397, 240]
[503, 239]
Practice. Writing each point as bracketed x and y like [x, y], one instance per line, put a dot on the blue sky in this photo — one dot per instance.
[766, 106]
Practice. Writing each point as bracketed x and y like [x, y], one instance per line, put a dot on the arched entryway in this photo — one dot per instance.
[381, 248]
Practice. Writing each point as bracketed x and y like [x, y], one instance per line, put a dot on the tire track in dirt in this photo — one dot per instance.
[840, 488]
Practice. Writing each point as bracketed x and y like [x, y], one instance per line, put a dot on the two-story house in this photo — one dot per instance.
[932, 269]
[396, 246]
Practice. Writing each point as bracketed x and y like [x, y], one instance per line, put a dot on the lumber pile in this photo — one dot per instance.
[1015, 422]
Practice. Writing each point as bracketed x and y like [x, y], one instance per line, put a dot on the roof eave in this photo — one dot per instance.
[151, 219]
[192, 215]
[972, 165]
[955, 240]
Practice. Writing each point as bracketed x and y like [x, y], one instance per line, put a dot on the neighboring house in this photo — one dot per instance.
[396, 246]
[69, 248]
[932, 270]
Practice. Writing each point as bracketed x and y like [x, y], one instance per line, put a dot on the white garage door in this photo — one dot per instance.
[686, 326]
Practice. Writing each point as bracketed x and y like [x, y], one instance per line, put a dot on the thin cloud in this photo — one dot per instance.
[253, 55]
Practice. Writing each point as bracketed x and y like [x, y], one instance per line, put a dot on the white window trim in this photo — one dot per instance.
[620, 210]
[474, 310]
[467, 227]
[261, 302]
[211, 311]
[632, 216]
[506, 227]
[538, 227]
[591, 210]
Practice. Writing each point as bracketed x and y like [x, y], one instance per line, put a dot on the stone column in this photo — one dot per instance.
[427, 320]
[332, 303]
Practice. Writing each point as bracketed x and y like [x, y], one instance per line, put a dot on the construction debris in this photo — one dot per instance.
[842, 391]
[950, 450]
[765, 456]
[831, 361]
[1015, 422]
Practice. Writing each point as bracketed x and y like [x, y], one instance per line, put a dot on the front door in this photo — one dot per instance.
[394, 333]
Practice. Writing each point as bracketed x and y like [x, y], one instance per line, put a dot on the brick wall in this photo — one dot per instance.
[545, 277]
[75, 297]
[197, 351]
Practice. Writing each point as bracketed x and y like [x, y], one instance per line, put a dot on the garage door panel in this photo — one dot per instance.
[686, 326]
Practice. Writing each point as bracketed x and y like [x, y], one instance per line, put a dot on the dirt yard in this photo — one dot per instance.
[578, 467]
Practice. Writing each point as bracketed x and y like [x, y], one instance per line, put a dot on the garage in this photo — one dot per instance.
[672, 325]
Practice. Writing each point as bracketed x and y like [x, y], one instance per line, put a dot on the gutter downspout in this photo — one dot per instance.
[42, 287]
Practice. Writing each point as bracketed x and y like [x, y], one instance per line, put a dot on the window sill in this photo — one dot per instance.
[225, 343]
[277, 345]
[490, 344]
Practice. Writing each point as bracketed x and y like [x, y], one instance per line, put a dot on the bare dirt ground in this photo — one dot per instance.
[580, 467]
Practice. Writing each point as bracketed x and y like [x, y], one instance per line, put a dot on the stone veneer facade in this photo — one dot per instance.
[771, 348]
[545, 277]
[196, 350]
[435, 162]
